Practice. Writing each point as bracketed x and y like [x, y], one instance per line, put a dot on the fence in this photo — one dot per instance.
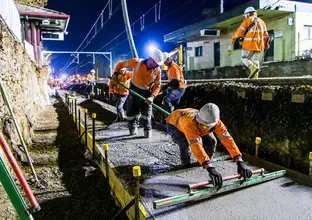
[10, 15]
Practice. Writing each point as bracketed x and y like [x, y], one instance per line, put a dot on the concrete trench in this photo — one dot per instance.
[158, 157]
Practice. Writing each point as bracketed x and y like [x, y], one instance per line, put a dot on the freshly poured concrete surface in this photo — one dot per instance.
[276, 199]
[279, 199]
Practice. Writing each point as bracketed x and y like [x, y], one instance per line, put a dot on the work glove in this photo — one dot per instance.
[149, 100]
[243, 170]
[215, 176]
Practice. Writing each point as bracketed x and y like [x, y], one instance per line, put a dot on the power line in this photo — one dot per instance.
[141, 19]
[95, 28]
[155, 22]
[158, 18]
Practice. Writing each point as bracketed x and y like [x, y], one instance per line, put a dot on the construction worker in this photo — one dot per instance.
[120, 94]
[91, 82]
[145, 80]
[252, 34]
[175, 86]
[194, 128]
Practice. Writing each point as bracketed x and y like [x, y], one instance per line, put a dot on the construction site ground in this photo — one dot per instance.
[162, 176]
[73, 186]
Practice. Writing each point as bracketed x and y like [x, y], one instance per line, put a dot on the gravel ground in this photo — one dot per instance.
[7, 211]
[74, 188]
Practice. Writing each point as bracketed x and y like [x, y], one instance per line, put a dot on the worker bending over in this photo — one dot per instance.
[252, 34]
[91, 82]
[145, 80]
[120, 93]
[175, 86]
[194, 128]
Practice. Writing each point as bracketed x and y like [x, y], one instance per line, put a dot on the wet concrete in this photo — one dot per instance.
[162, 177]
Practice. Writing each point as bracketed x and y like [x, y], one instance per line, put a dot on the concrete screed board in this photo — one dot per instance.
[277, 199]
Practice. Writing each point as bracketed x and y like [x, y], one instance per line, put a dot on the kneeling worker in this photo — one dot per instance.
[120, 94]
[194, 128]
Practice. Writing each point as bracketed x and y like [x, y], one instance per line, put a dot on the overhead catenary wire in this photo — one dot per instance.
[94, 28]
[154, 23]
[141, 19]
[143, 27]
[73, 60]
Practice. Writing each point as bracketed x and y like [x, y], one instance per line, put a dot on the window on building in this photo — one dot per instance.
[237, 46]
[308, 32]
[198, 51]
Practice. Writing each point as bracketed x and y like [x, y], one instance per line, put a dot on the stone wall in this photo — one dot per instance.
[25, 84]
[277, 114]
[273, 69]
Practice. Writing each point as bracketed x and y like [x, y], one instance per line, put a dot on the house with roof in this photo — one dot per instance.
[207, 42]
[39, 24]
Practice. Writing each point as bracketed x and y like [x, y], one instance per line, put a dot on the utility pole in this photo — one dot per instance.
[221, 6]
[128, 28]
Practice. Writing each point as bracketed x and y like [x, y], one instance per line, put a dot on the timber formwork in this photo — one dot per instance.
[162, 177]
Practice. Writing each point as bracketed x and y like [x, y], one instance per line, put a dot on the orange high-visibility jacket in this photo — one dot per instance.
[184, 121]
[175, 72]
[141, 77]
[256, 38]
[117, 89]
[90, 77]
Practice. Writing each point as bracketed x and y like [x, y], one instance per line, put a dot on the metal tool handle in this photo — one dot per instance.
[236, 176]
[141, 97]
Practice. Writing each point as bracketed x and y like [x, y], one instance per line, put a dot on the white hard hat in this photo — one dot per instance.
[249, 9]
[166, 56]
[157, 56]
[92, 71]
[208, 115]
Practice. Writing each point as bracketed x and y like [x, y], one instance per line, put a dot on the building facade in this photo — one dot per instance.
[207, 42]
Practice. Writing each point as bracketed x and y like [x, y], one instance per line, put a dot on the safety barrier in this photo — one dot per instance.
[100, 155]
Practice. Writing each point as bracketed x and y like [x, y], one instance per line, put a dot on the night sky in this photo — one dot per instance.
[175, 14]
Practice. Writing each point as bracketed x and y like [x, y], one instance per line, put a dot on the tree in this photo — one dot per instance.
[41, 3]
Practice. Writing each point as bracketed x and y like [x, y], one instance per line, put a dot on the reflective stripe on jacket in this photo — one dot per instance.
[256, 38]
[117, 89]
[175, 72]
[184, 121]
[141, 77]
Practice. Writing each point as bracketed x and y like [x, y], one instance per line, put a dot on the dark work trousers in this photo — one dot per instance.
[135, 106]
[91, 88]
[120, 101]
[173, 98]
[209, 143]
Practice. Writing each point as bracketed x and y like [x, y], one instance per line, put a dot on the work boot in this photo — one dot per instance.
[256, 75]
[253, 70]
[133, 131]
[117, 118]
[122, 115]
[148, 134]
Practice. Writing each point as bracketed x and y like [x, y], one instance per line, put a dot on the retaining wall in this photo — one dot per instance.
[280, 115]
[25, 83]
[273, 69]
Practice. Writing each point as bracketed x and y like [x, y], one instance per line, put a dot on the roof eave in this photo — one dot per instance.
[44, 15]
